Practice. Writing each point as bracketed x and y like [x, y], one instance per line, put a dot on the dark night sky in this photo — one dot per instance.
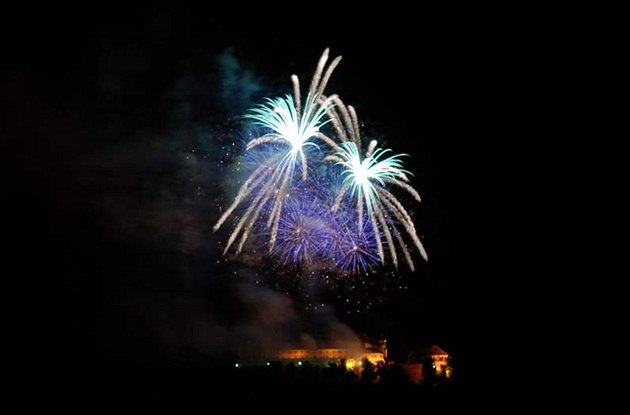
[117, 262]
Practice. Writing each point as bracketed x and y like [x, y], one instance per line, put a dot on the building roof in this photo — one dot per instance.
[433, 350]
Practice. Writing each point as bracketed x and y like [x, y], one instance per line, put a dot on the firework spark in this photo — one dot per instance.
[368, 177]
[313, 236]
[350, 250]
[287, 124]
[303, 226]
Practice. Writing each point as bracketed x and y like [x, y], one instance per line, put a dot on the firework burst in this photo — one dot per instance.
[369, 177]
[314, 236]
[289, 124]
[343, 215]
[303, 229]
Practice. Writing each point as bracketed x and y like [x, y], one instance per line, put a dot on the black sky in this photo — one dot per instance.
[101, 106]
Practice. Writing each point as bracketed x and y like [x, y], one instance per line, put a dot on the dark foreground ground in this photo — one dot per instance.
[227, 389]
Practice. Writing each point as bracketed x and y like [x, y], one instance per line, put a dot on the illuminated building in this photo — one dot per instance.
[375, 353]
[440, 360]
